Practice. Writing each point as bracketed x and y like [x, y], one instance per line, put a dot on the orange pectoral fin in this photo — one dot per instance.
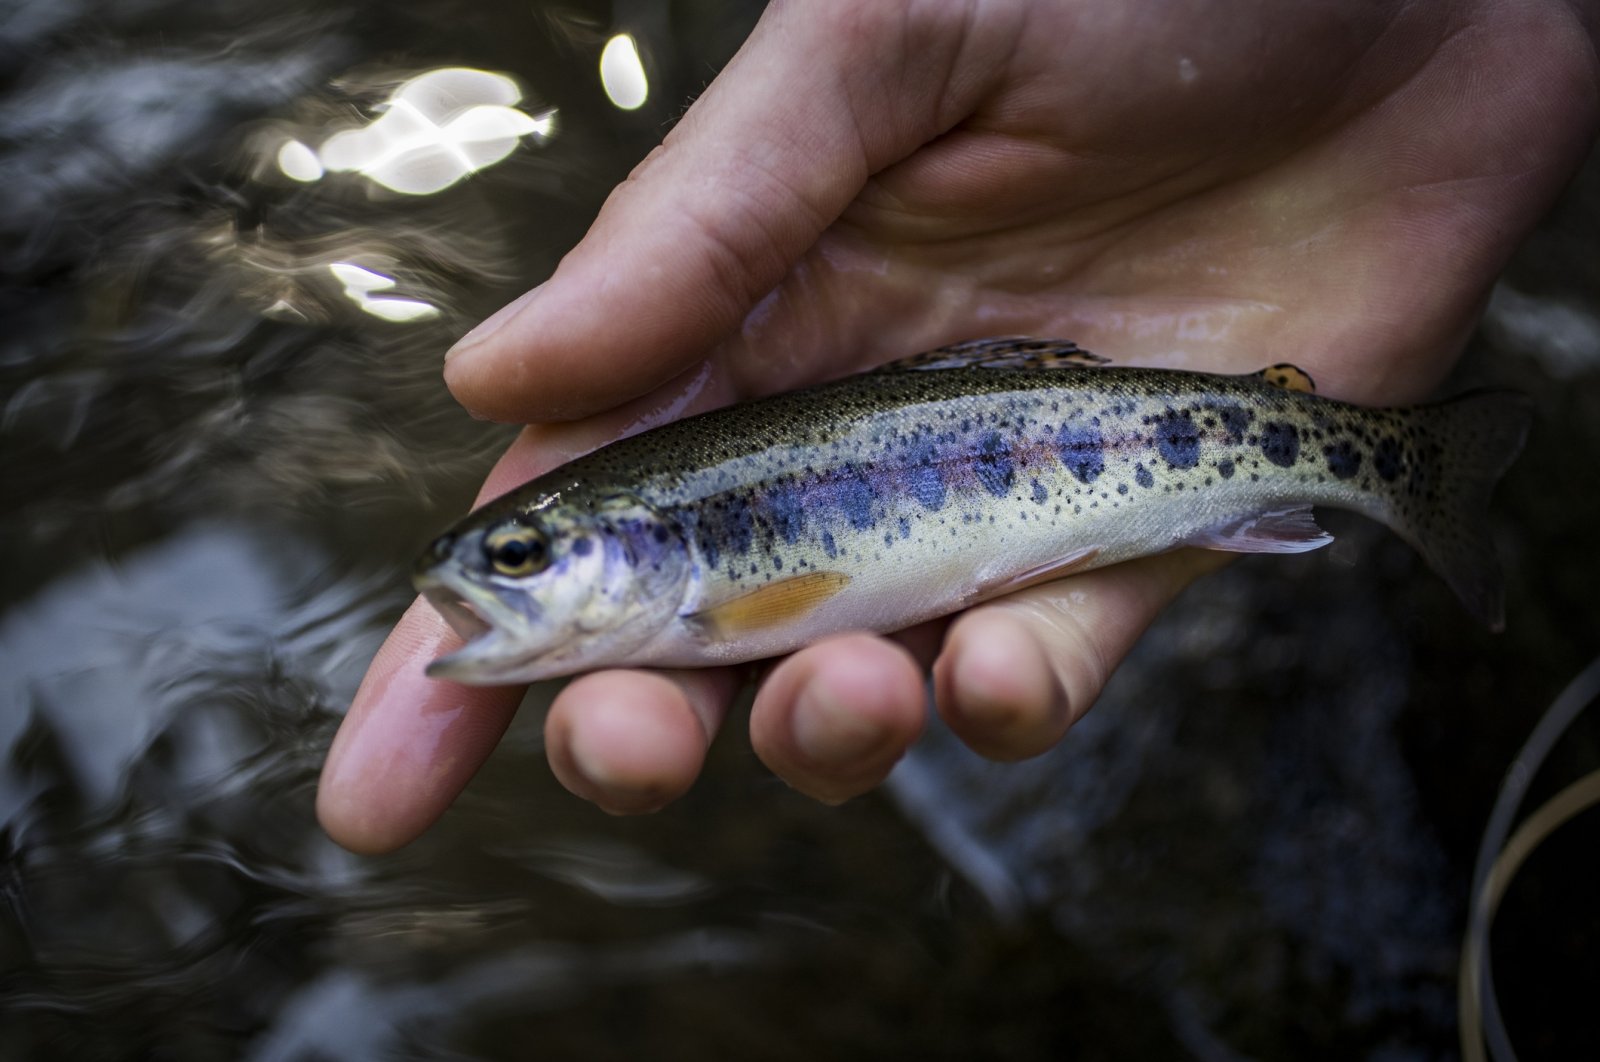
[777, 602]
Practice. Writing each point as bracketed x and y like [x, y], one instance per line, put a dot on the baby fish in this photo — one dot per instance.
[885, 499]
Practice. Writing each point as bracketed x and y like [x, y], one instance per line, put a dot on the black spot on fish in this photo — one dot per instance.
[708, 548]
[1235, 419]
[993, 465]
[1344, 460]
[582, 547]
[659, 534]
[1122, 488]
[1225, 468]
[738, 526]
[1082, 450]
[1039, 493]
[924, 478]
[1178, 439]
[905, 528]
[1386, 459]
[1280, 443]
[855, 498]
[1142, 476]
[827, 544]
[787, 506]
[777, 562]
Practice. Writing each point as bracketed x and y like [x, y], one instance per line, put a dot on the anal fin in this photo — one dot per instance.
[777, 602]
[1292, 530]
[1076, 561]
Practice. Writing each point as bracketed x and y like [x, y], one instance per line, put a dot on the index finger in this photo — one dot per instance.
[409, 743]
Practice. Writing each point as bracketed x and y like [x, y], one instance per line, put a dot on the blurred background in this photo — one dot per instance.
[235, 239]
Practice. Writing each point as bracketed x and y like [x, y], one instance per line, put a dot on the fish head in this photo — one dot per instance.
[552, 588]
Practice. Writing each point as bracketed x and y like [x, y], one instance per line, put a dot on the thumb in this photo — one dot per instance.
[820, 97]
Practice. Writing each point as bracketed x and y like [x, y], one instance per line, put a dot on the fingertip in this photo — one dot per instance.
[461, 352]
[997, 690]
[844, 717]
[833, 719]
[349, 821]
[409, 744]
[629, 741]
[1016, 673]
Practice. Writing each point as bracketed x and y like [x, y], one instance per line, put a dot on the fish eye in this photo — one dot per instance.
[517, 550]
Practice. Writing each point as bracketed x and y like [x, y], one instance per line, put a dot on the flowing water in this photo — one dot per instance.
[233, 251]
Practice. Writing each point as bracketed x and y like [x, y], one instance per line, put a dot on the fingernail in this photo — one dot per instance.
[491, 324]
[828, 732]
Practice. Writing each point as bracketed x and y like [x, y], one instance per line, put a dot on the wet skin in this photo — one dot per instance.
[1333, 185]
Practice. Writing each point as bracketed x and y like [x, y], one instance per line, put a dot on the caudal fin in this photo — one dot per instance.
[1441, 495]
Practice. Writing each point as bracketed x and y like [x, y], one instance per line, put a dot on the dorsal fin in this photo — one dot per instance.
[1289, 377]
[1001, 352]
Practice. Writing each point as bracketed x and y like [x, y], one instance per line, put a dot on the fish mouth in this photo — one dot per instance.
[458, 612]
[492, 653]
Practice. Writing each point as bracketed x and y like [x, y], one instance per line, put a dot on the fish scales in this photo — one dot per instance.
[903, 479]
[886, 499]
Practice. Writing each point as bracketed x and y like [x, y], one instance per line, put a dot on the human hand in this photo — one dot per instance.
[1334, 185]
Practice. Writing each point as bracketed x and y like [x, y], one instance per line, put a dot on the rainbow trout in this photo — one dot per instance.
[885, 499]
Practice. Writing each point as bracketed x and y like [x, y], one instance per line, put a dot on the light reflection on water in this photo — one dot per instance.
[360, 283]
[622, 73]
[437, 128]
[222, 436]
